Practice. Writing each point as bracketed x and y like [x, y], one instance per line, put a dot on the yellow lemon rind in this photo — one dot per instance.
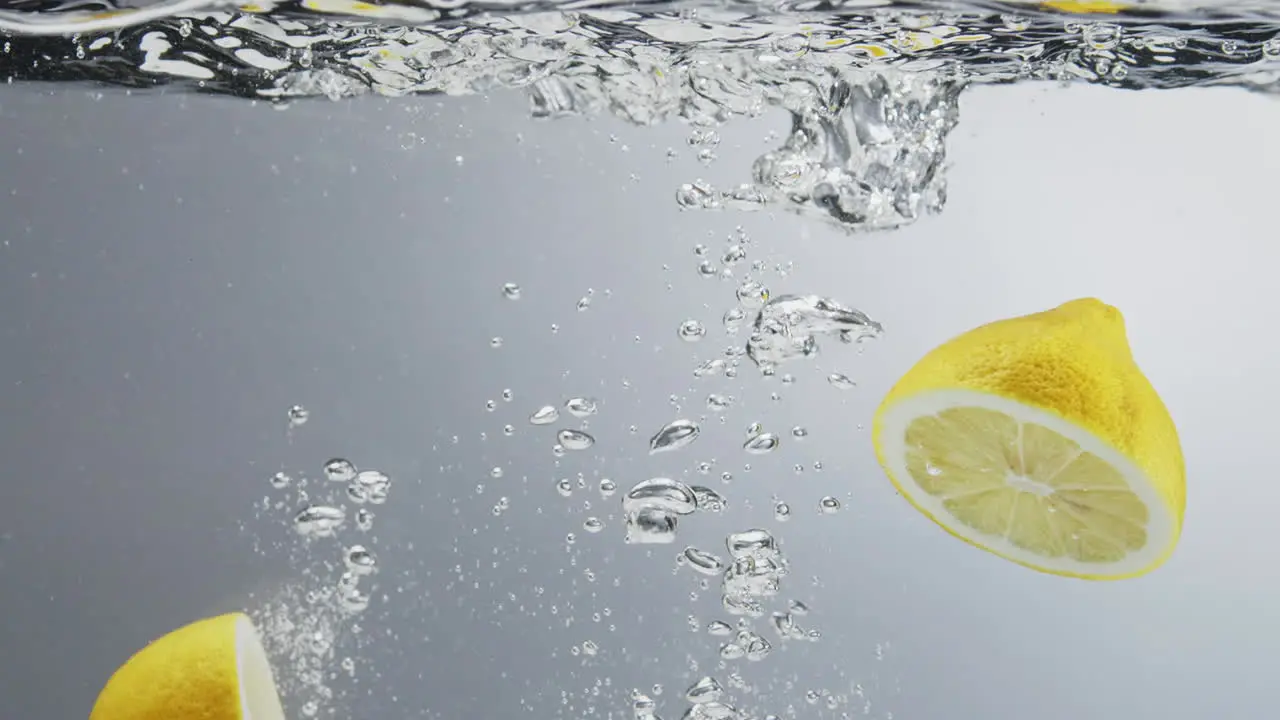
[215, 668]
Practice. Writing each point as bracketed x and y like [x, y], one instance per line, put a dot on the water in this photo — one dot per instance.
[519, 562]
[872, 87]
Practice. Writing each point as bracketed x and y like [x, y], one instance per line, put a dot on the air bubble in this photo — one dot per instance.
[691, 331]
[339, 470]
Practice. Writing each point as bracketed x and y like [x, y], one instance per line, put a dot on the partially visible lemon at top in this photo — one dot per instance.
[213, 669]
[1038, 439]
[1085, 7]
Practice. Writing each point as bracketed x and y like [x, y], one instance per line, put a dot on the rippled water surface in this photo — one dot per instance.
[872, 87]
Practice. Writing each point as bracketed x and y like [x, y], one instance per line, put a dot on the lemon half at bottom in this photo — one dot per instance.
[213, 669]
[1038, 439]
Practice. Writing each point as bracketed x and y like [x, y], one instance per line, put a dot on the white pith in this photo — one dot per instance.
[259, 699]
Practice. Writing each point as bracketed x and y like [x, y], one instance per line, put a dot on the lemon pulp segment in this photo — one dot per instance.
[1025, 484]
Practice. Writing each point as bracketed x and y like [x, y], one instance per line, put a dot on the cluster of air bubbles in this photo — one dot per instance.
[872, 158]
[755, 571]
[781, 327]
[652, 508]
[588, 648]
[705, 696]
[750, 574]
[708, 499]
[718, 403]
[787, 623]
[707, 701]
[369, 486]
[298, 416]
[301, 627]
[729, 262]
[701, 195]
[325, 517]
[704, 139]
[568, 439]
[827, 505]
[759, 442]
[319, 521]
[300, 630]
[787, 327]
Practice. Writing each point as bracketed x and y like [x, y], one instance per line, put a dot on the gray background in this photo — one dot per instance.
[176, 271]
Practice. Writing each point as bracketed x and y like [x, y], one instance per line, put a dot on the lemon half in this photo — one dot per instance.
[1038, 439]
[1085, 7]
[213, 669]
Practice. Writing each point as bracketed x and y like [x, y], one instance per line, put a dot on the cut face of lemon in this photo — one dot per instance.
[259, 699]
[1025, 484]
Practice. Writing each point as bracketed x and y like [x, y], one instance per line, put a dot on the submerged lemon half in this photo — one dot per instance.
[213, 669]
[1038, 439]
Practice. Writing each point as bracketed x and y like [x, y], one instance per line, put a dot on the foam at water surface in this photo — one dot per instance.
[872, 87]
[344, 47]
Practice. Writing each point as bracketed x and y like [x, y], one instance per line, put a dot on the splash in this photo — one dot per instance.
[866, 151]
[872, 87]
[687, 59]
